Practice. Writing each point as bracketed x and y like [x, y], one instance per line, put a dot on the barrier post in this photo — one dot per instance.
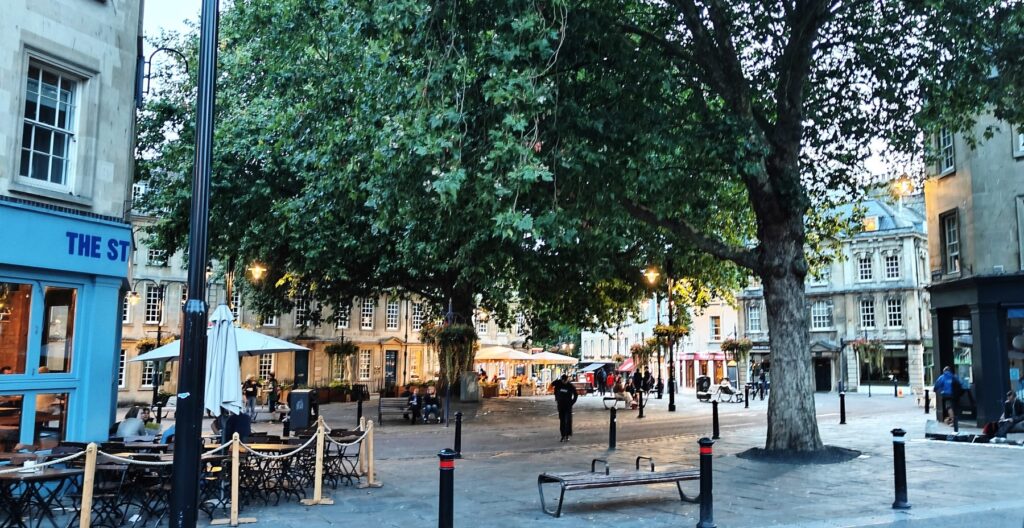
[458, 434]
[927, 401]
[446, 491]
[88, 480]
[318, 476]
[899, 462]
[612, 424]
[842, 408]
[359, 409]
[714, 420]
[746, 396]
[362, 448]
[371, 476]
[707, 514]
[236, 468]
[640, 397]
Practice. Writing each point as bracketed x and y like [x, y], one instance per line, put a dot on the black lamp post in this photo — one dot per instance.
[671, 342]
[184, 500]
[652, 276]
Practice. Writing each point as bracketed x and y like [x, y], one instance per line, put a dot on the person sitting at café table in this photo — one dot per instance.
[133, 427]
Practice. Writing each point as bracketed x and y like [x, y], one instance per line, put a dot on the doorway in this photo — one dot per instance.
[822, 374]
[390, 368]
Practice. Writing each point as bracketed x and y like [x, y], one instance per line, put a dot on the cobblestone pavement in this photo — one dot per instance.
[507, 443]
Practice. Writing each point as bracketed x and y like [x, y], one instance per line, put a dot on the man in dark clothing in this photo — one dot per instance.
[414, 404]
[601, 378]
[565, 397]
[638, 381]
[648, 380]
[1012, 419]
[273, 391]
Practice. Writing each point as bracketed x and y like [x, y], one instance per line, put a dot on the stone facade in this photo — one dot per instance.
[874, 289]
[975, 211]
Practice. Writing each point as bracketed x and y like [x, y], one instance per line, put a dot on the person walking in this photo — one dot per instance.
[273, 393]
[565, 398]
[948, 385]
[249, 390]
[601, 377]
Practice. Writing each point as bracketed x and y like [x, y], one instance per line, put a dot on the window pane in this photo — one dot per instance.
[59, 332]
[51, 419]
[31, 102]
[43, 139]
[15, 311]
[26, 160]
[60, 145]
[47, 109]
[57, 170]
[10, 421]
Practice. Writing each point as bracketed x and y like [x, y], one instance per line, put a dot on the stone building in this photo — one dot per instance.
[975, 209]
[67, 101]
[697, 354]
[875, 290]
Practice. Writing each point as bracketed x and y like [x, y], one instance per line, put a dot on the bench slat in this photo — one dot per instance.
[585, 480]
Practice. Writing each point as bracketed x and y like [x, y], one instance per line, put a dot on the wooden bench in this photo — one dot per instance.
[595, 480]
[610, 402]
[392, 406]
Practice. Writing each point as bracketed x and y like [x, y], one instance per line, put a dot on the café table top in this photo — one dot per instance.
[46, 473]
[260, 447]
[132, 446]
[165, 457]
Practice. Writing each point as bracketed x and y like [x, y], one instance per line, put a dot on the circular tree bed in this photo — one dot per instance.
[827, 455]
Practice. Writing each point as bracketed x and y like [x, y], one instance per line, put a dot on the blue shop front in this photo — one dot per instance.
[61, 277]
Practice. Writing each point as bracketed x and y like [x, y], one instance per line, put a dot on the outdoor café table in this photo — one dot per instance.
[146, 446]
[32, 497]
[264, 478]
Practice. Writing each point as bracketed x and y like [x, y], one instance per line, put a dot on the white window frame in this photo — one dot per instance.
[70, 130]
[343, 317]
[270, 321]
[126, 311]
[391, 314]
[154, 308]
[894, 312]
[148, 376]
[139, 190]
[481, 327]
[122, 364]
[715, 323]
[865, 268]
[417, 316]
[236, 305]
[946, 151]
[156, 257]
[365, 358]
[754, 318]
[868, 318]
[367, 307]
[892, 264]
[520, 325]
[822, 317]
[264, 366]
[301, 311]
[951, 242]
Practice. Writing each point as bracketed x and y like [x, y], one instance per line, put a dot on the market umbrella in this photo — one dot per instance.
[498, 353]
[551, 358]
[249, 344]
[223, 373]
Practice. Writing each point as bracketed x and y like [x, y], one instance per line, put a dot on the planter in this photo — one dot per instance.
[323, 395]
[338, 394]
[489, 390]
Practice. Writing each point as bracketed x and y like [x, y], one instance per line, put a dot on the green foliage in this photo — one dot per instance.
[870, 351]
[643, 352]
[456, 349]
[341, 350]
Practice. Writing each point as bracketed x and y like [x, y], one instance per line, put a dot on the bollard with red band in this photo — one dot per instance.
[446, 499]
[899, 462]
[714, 420]
[707, 515]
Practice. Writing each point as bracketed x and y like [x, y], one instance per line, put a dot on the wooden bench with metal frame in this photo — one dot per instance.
[392, 407]
[594, 480]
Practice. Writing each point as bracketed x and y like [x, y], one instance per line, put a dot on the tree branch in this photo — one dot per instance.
[683, 229]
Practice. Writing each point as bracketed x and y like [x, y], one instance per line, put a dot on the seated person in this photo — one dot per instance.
[407, 393]
[131, 428]
[237, 423]
[431, 405]
[619, 389]
[168, 436]
[725, 386]
[1012, 419]
[415, 404]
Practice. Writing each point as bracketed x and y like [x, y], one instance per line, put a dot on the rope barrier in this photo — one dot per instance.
[347, 444]
[219, 449]
[124, 460]
[289, 454]
[41, 465]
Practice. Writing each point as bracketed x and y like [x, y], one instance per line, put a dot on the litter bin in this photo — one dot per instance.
[301, 402]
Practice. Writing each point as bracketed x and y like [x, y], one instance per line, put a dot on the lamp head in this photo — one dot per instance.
[652, 275]
[257, 271]
[133, 298]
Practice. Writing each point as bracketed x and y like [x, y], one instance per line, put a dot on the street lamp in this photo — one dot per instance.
[651, 274]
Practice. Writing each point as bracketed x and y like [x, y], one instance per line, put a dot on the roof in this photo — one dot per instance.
[890, 217]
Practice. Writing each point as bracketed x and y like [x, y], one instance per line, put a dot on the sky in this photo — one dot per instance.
[168, 15]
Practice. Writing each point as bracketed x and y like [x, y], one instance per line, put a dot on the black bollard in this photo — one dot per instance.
[707, 514]
[927, 401]
[458, 434]
[746, 396]
[956, 415]
[446, 485]
[895, 388]
[899, 462]
[612, 422]
[640, 398]
[359, 409]
[286, 423]
[842, 408]
[714, 420]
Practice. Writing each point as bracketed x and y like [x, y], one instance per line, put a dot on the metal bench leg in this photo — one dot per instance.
[683, 497]
[561, 497]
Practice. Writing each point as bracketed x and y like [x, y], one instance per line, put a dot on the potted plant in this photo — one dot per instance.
[323, 394]
[285, 388]
[739, 348]
[339, 391]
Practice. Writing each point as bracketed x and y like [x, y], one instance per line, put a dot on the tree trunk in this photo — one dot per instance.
[792, 422]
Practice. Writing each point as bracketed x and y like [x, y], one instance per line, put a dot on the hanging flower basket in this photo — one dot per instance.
[673, 332]
[871, 351]
[739, 348]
